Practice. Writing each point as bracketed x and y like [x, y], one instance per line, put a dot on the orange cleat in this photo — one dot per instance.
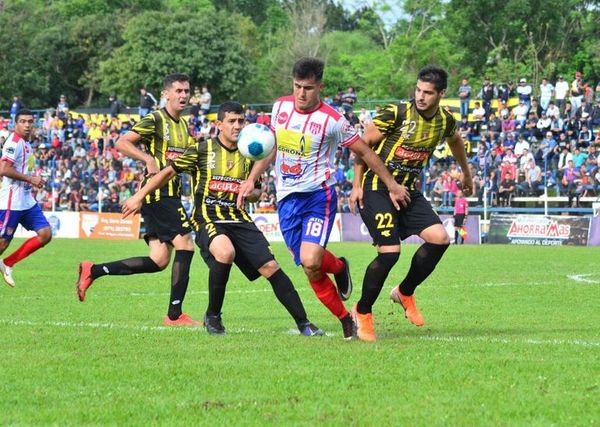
[365, 325]
[182, 320]
[85, 279]
[411, 312]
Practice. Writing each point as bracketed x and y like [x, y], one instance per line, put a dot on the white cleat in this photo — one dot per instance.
[7, 274]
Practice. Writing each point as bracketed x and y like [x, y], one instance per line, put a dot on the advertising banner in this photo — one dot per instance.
[539, 230]
[109, 226]
[594, 236]
[354, 230]
[63, 224]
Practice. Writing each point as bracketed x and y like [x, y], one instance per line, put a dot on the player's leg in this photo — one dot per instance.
[218, 253]
[180, 278]
[420, 220]
[306, 221]
[288, 297]
[31, 219]
[381, 219]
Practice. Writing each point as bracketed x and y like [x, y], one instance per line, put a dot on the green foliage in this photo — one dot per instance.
[245, 48]
[207, 46]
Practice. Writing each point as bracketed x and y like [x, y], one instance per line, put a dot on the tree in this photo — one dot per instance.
[207, 46]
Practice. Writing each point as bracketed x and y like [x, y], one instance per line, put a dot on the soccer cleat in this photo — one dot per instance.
[85, 279]
[310, 330]
[343, 281]
[214, 324]
[182, 320]
[348, 327]
[365, 325]
[7, 274]
[411, 312]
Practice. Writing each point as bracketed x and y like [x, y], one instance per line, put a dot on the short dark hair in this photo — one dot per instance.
[23, 112]
[435, 75]
[308, 67]
[229, 107]
[175, 77]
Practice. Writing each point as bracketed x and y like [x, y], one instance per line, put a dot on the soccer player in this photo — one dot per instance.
[225, 233]
[164, 135]
[404, 135]
[17, 204]
[308, 133]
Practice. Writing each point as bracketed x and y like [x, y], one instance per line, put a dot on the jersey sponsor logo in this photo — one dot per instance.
[224, 184]
[406, 154]
[10, 150]
[292, 172]
[212, 201]
[315, 127]
[293, 143]
[282, 117]
[173, 153]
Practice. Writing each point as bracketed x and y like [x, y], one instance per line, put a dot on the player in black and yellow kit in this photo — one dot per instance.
[164, 136]
[225, 233]
[404, 135]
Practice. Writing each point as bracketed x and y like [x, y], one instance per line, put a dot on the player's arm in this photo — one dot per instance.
[457, 146]
[372, 136]
[127, 145]
[247, 187]
[398, 193]
[7, 169]
[134, 203]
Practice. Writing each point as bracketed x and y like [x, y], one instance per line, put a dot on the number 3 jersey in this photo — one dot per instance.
[306, 145]
[217, 173]
[409, 139]
[16, 195]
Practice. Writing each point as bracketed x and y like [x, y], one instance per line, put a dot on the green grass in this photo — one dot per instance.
[509, 339]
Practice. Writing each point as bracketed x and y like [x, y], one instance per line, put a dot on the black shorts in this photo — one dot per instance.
[388, 226]
[459, 220]
[165, 219]
[252, 250]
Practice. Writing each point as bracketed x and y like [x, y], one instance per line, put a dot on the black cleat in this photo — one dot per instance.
[310, 330]
[343, 281]
[348, 327]
[214, 324]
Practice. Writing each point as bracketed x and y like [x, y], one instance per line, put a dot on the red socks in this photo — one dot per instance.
[327, 294]
[30, 246]
[330, 263]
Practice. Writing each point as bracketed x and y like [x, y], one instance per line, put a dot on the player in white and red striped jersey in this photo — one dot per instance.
[308, 134]
[17, 204]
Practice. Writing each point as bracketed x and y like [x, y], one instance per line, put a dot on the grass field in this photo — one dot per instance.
[512, 337]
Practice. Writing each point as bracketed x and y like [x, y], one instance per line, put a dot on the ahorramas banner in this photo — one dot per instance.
[539, 230]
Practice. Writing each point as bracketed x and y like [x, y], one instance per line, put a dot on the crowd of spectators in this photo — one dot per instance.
[520, 141]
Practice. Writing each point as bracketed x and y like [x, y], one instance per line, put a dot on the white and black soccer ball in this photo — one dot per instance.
[256, 141]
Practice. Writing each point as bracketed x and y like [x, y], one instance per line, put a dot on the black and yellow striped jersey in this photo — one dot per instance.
[165, 139]
[217, 173]
[409, 139]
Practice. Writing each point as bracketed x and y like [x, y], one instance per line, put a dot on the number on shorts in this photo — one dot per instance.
[182, 214]
[314, 228]
[384, 220]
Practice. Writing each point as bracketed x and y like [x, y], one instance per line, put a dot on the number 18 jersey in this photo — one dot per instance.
[306, 145]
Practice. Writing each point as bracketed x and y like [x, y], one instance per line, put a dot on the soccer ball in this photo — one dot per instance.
[256, 141]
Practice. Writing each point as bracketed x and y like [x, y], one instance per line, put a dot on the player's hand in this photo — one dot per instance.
[37, 181]
[356, 197]
[131, 206]
[151, 167]
[245, 190]
[467, 185]
[399, 195]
